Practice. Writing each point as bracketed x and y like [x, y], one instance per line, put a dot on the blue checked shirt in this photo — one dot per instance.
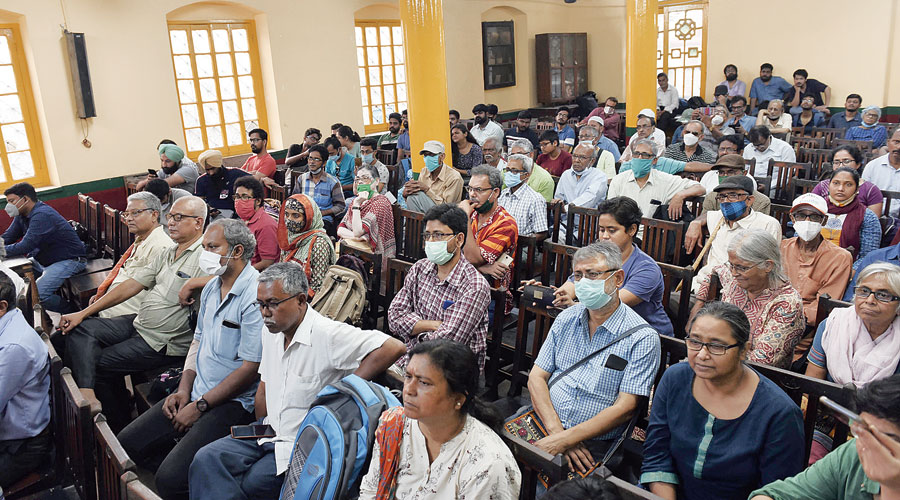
[593, 387]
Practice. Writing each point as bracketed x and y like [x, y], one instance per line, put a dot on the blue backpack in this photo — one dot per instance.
[335, 439]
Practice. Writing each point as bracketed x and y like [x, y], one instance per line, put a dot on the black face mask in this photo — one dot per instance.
[731, 77]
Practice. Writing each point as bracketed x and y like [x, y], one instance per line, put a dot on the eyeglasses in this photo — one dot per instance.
[179, 217]
[436, 236]
[696, 134]
[134, 213]
[314, 159]
[243, 197]
[364, 179]
[271, 305]
[517, 172]
[254, 141]
[726, 149]
[844, 162]
[802, 216]
[730, 197]
[544, 144]
[863, 292]
[478, 190]
[641, 127]
[591, 275]
[713, 348]
[735, 268]
[643, 156]
[582, 157]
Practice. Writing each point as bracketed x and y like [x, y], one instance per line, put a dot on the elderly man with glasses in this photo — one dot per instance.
[526, 206]
[437, 183]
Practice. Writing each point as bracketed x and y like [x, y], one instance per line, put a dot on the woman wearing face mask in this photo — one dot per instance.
[248, 205]
[302, 238]
[850, 156]
[814, 265]
[466, 152]
[853, 226]
[370, 221]
[776, 120]
[870, 130]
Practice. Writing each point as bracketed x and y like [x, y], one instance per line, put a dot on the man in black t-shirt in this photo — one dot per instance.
[805, 86]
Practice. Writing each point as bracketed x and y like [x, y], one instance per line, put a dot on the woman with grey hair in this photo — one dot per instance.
[369, 224]
[859, 344]
[870, 130]
[754, 280]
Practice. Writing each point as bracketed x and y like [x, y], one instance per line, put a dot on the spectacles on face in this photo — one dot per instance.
[134, 213]
[254, 141]
[242, 197]
[271, 305]
[582, 157]
[591, 275]
[516, 171]
[436, 236]
[728, 149]
[730, 197]
[802, 216]
[364, 180]
[544, 144]
[846, 162]
[697, 134]
[642, 127]
[477, 190]
[179, 217]
[642, 155]
[863, 292]
[739, 269]
[314, 159]
[713, 348]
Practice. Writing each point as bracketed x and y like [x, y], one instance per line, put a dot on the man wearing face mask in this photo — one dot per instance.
[39, 232]
[438, 183]
[690, 149]
[217, 185]
[540, 179]
[167, 197]
[735, 197]
[101, 351]
[340, 164]
[485, 127]
[524, 204]
[583, 419]
[367, 148]
[603, 160]
[220, 373]
[492, 232]
[813, 264]
[443, 295]
[610, 117]
[248, 204]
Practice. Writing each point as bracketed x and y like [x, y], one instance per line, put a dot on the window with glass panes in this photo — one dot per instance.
[219, 86]
[382, 72]
[21, 150]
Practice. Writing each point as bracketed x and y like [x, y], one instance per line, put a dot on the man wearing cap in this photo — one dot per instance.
[216, 186]
[813, 264]
[726, 166]
[522, 130]
[438, 183]
[735, 194]
[603, 142]
[646, 129]
[485, 127]
[690, 149]
[177, 170]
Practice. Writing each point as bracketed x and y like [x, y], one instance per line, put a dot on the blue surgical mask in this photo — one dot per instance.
[333, 158]
[641, 167]
[511, 180]
[432, 163]
[592, 293]
[436, 251]
[733, 210]
[367, 158]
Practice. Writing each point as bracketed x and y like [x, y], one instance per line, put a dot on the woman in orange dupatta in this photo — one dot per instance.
[302, 238]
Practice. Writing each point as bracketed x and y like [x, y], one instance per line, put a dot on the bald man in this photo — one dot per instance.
[101, 351]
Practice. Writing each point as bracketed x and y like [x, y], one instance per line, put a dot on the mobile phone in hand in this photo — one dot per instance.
[841, 413]
[254, 431]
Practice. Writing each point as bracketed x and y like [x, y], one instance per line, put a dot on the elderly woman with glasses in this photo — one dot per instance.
[719, 429]
[369, 224]
[870, 130]
[850, 156]
[754, 280]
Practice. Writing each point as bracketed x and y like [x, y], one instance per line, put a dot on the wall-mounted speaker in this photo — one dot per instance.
[81, 75]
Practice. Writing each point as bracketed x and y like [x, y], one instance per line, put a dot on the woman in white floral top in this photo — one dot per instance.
[441, 444]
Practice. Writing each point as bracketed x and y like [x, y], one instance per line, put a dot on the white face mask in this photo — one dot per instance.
[690, 139]
[607, 109]
[717, 120]
[807, 230]
[210, 263]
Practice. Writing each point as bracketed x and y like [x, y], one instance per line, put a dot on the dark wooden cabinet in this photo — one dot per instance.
[562, 69]
[498, 54]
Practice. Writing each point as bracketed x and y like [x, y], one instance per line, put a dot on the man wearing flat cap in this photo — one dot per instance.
[216, 186]
[437, 183]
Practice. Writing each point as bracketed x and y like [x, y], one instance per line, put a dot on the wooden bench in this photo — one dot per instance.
[133, 489]
[111, 459]
[78, 444]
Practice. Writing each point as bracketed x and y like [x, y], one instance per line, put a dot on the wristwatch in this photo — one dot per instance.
[202, 405]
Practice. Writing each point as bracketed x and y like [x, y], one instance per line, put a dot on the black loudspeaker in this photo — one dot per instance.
[81, 75]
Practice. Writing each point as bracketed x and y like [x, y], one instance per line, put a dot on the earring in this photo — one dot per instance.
[458, 405]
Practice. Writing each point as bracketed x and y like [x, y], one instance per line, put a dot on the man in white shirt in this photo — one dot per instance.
[302, 352]
[485, 127]
[884, 171]
[646, 129]
[580, 185]
[667, 102]
[765, 147]
[525, 205]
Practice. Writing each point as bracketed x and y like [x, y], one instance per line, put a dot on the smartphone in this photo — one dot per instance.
[505, 259]
[255, 431]
[843, 414]
[541, 296]
[151, 171]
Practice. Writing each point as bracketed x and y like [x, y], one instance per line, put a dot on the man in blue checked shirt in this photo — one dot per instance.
[220, 373]
[586, 409]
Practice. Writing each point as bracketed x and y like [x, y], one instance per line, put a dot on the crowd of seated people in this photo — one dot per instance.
[209, 243]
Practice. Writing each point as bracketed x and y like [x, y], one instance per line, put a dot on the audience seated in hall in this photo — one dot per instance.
[437, 183]
[322, 188]
[302, 352]
[610, 117]
[764, 147]
[39, 232]
[646, 129]
[443, 295]
[814, 265]
[776, 120]
[260, 164]
[216, 186]
[249, 196]
[754, 280]
[602, 159]
[389, 139]
[747, 430]
[175, 168]
[303, 239]
[850, 156]
[581, 185]
[730, 163]
[554, 158]
[870, 130]
[25, 438]
[853, 226]
[564, 131]
[525, 205]
[521, 130]
[369, 223]
[736, 197]
[806, 117]
[340, 164]
[586, 410]
[101, 351]
[651, 188]
[805, 86]
[367, 157]
[691, 149]
[220, 373]
[167, 197]
[441, 412]
[882, 170]
[540, 179]
[492, 231]
[298, 153]
[464, 148]
[735, 87]
[485, 127]
[141, 216]
[850, 117]
[603, 142]
[767, 87]
[864, 468]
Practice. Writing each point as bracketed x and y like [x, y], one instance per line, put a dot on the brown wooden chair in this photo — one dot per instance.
[672, 277]
[659, 235]
[527, 265]
[78, 434]
[278, 192]
[498, 355]
[110, 247]
[695, 204]
[782, 213]
[554, 221]
[764, 184]
[396, 277]
[556, 265]
[408, 229]
[393, 185]
[374, 297]
[525, 351]
[890, 197]
[582, 226]
[799, 132]
[533, 462]
[786, 172]
[807, 142]
[802, 186]
[133, 489]
[826, 305]
[386, 156]
[829, 134]
[864, 146]
[93, 224]
[125, 238]
[815, 157]
[111, 459]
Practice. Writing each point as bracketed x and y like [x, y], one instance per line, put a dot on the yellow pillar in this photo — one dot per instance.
[640, 58]
[426, 76]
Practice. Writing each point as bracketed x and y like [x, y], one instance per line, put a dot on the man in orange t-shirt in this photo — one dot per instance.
[260, 164]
